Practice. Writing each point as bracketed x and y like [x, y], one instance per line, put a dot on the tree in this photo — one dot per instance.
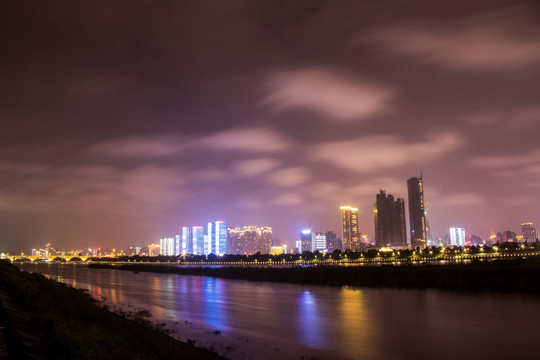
[336, 254]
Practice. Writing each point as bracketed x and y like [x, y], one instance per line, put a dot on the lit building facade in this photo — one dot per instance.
[529, 232]
[417, 212]
[167, 246]
[216, 239]
[507, 236]
[177, 244]
[320, 241]
[277, 250]
[197, 240]
[153, 250]
[187, 241]
[331, 241]
[389, 216]
[457, 236]
[249, 240]
[349, 228]
[306, 241]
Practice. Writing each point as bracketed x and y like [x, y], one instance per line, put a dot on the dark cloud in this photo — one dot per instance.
[502, 40]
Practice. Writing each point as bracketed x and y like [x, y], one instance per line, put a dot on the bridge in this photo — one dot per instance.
[379, 260]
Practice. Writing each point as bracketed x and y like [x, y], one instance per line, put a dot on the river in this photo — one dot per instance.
[258, 320]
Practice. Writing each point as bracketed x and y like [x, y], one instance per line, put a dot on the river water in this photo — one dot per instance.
[258, 320]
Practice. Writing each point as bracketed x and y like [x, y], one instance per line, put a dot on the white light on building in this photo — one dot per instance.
[457, 236]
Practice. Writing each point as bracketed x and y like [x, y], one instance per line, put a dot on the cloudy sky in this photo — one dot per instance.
[122, 121]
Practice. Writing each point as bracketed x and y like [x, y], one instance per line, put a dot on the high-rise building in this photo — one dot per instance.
[320, 241]
[177, 244]
[401, 223]
[349, 228]
[249, 240]
[417, 215]
[457, 236]
[216, 238]
[306, 240]
[266, 239]
[166, 246]
[221, 237]
[331, 241]
[529, 232]
[233, 241]
[389, 216]
[506, 236]
[207, 247]
[187, 241]
[197, 240]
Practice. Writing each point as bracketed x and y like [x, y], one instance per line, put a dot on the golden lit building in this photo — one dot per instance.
[349, 228]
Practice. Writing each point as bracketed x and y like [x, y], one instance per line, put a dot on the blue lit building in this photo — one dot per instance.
[187, 241]
[177, 245]
[216, 238]
[197, 239]
[306, 241]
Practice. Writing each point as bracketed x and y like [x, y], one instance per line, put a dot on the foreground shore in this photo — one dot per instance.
[43, 319]
[510, 276]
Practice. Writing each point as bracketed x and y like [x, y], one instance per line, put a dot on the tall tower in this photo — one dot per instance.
[389, 216]
[266, 239]
[529, 232]
[306, 240]
[187, 240]
[349, 228]
[401, 223]
[417, 214]
[217, 238]
[331, 241]
[197, 240]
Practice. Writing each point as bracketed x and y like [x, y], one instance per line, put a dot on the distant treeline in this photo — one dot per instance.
[49, 320]
[516, 276]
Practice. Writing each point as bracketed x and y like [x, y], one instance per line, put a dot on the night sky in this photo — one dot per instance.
[122, 121]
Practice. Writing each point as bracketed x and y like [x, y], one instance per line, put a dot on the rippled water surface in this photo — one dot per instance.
[327, 322]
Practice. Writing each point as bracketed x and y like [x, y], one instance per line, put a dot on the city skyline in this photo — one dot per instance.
[122, 123]
[253, 239]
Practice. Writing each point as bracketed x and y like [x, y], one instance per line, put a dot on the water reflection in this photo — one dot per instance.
[308, 318]
[355, 325]
[213, 299]
[337, 323]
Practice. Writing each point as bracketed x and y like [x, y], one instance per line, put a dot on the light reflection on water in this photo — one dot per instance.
[310, 328]
[342, 323]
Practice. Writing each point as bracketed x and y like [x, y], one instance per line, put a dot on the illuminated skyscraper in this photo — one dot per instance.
[197, 240]
[389, 216]
[249, 240]
[187, 241]
[457, 236]
[177, 244]
[529, 232]
[306, 241]
[216, 239]
[417, 215]
[320, 241]
[266, 239]
[233, 241]
[331, 241]
[166, 246]
[349, 228]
